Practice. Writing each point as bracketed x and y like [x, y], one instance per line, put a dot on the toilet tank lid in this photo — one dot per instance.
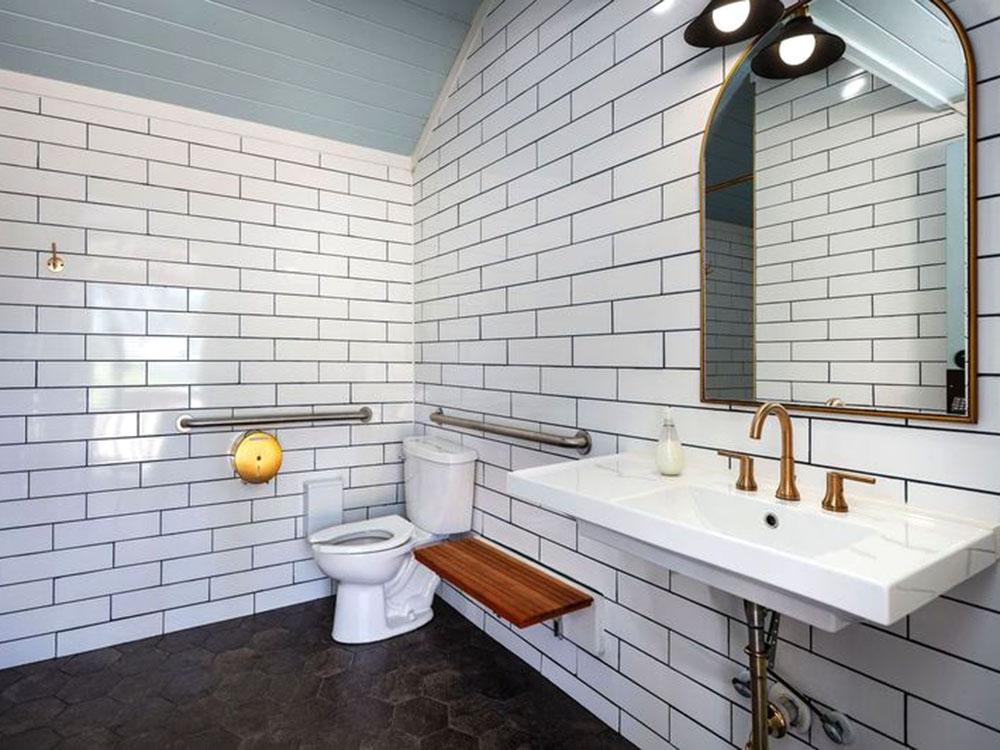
[437, 450]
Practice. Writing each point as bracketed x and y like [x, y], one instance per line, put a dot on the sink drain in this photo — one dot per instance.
[771, 520]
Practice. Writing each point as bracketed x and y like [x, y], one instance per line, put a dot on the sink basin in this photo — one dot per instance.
[879, 562]
[753, 522]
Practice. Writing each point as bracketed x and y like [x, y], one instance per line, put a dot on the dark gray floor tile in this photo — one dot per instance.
[276, 680]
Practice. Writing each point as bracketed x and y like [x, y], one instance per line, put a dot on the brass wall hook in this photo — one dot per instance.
[55, 263]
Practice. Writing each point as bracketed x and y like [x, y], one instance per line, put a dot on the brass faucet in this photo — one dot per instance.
[746, 482]
[834, 500]
[786, 485]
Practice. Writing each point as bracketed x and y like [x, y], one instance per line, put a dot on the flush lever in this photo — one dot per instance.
[746, 480]
[834, 499]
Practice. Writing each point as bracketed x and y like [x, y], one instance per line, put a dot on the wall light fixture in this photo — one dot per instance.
[724, 22]
[801, 48]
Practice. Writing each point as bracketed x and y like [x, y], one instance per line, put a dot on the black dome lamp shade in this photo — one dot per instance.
[801, 48]
[724, 22]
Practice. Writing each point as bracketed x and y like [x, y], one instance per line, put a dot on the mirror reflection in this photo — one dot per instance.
[836, 219]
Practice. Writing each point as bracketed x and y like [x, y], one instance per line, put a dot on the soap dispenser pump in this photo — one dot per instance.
[669, 451]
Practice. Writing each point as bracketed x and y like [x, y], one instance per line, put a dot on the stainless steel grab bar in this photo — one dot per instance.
[185, 422]
[580, 441]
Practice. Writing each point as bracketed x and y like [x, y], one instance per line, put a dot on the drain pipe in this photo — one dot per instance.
[768, 719]
[757, 651]
[765, 720]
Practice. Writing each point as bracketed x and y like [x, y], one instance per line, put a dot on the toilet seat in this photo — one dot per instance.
[363, 537]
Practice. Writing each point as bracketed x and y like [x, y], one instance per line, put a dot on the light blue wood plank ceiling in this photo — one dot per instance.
[362, 71]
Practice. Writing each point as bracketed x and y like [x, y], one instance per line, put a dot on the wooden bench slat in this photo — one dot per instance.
[516, 591]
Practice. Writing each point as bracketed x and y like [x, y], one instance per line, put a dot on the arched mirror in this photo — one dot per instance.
[838, 220]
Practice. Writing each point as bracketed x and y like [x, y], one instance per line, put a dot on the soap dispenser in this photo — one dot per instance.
[669, 451]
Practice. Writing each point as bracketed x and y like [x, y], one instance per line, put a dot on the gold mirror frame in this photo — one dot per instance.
[971, 415]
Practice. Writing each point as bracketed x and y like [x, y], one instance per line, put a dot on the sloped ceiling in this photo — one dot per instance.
[362, 71]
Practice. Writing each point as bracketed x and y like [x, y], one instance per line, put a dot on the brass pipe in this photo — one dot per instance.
[786, 484]
[757, 652]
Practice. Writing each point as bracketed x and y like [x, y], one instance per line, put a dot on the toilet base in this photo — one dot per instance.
[359, 616]
[365, 613]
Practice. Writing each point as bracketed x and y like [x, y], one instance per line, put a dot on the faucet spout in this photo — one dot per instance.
[786, 483]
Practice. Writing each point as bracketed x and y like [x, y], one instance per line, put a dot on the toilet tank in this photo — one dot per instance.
[440, 480]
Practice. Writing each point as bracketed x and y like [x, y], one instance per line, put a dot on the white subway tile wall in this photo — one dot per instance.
[199, 279]
[557, 241]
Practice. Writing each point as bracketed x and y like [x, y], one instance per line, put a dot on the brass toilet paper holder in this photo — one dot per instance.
[257, 457]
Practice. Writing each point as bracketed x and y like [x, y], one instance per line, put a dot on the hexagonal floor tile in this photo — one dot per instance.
[276, 680]
[420, 717]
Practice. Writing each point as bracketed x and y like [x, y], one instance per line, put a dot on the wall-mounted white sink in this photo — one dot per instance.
[879, 562]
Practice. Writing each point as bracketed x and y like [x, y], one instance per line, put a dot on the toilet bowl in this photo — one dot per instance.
[379, 594]
[382, 591]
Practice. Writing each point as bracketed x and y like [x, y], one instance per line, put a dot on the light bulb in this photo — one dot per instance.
[731, 16]
[797, 49]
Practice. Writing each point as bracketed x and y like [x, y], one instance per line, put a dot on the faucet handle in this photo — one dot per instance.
[746, 480]
[834, 499]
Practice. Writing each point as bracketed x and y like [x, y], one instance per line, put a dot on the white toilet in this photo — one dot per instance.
[382, 591]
